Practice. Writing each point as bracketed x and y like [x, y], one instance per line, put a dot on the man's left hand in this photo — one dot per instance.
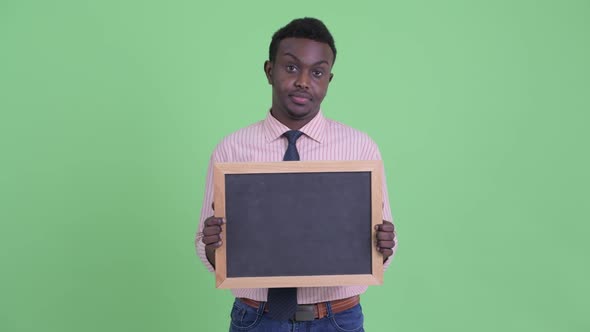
[385, 238]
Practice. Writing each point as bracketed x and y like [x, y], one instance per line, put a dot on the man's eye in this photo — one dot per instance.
[291, 68]
[317, 73]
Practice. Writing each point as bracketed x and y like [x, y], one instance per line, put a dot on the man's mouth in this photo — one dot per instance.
[300, 99]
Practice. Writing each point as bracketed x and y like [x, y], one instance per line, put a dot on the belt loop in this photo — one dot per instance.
[329, 309]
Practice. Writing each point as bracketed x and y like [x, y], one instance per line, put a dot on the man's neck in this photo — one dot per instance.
[294, 124]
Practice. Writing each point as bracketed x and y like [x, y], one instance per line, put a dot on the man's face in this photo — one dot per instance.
[299, 77]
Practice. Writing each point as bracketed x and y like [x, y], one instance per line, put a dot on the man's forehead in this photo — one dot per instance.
[306, 50]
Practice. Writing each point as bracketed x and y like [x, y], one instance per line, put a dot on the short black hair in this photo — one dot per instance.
[308, 28]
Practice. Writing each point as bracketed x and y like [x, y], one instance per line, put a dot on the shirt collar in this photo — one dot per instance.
[314, 129]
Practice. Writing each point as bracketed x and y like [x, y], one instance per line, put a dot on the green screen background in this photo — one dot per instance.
[110, 110]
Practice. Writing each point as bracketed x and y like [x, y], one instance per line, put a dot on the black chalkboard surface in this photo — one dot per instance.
[297, 224]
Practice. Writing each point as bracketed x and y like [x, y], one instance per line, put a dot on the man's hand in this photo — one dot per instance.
[212, 237]
[385, 236]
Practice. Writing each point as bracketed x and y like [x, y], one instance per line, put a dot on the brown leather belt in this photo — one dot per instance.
[315, 310]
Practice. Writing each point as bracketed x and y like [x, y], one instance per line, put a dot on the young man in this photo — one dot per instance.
[299, 69]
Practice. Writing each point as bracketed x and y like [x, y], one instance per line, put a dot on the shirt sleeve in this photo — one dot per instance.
[206, 211]
[386, 207]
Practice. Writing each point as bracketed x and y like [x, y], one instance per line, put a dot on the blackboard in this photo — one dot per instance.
[297, 224]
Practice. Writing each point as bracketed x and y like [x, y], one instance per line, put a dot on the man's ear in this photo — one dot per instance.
[331, 77]
[268, 71]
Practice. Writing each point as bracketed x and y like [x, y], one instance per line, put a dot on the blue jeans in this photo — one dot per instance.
[245, 318]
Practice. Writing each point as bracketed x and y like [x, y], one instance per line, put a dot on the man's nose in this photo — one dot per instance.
[302, 81]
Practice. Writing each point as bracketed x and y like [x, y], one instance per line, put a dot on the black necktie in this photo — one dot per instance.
[282, 302]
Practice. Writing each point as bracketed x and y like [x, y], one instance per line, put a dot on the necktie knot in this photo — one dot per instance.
[292, 136]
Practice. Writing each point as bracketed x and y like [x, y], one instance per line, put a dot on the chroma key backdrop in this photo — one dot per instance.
[109, 111]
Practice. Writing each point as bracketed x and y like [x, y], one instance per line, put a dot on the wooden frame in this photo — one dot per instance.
[375, 169]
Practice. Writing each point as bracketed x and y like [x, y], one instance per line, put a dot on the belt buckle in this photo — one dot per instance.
[305, 313]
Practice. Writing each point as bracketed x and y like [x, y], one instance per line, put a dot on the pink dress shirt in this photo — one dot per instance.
[323, 139]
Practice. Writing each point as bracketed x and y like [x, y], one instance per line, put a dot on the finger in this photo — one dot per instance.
[213, 246]
[207, 240]
[211, 230]
[387, 236]
[209, 221]
[385, 227]
[386, 252]
[385, 222]
[212, 221]
[213, 205]
[385, 244]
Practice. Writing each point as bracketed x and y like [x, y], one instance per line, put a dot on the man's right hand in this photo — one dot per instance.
[212, 237]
